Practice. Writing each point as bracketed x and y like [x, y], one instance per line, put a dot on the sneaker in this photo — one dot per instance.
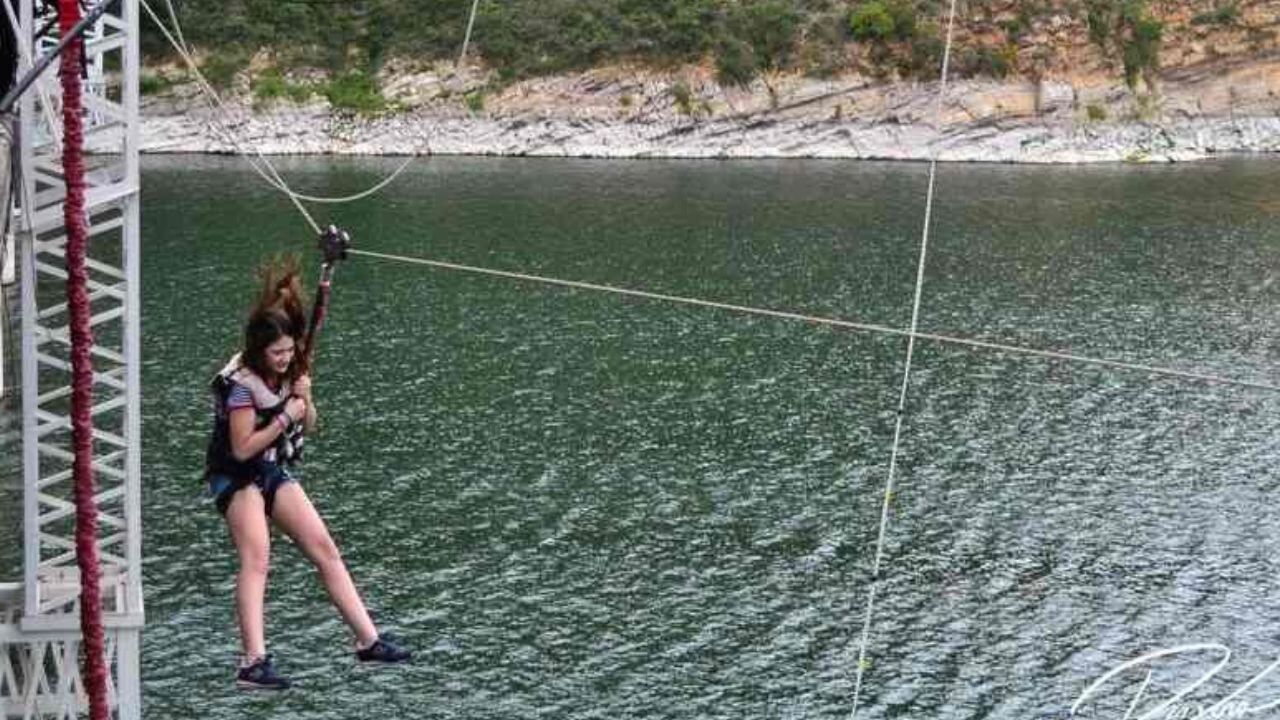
[384, 649]
[261, 675]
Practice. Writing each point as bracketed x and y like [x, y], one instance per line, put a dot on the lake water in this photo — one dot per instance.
[577, 505]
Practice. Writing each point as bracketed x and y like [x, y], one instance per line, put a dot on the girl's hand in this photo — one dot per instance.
[296, 407]
[302, 387]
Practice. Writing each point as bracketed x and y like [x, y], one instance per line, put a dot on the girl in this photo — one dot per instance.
[263, 404]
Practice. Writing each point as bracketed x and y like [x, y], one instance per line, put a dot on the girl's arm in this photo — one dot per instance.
[309, 421]
[247, 442]
[302, 389]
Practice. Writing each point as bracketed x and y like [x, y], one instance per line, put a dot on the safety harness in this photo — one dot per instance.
[267, 404]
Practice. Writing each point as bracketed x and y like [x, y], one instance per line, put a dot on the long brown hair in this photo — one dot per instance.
[279, 311]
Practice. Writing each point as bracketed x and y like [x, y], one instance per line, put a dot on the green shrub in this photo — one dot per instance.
[871, 21]
[272, 85]
[1014, 29]
[268, 86]
[683, 98]
[1027, 12]
[687, 103]
[688, 32]
[904, 19]
[1095, 112]
[585, 37]
[770, 28]
[475, 101]
[1225, 15]
[221, 69]
[756, 38]
[1128, 28]
[299, 92]
[883, 21]
[736, 63]
[986, 60]
[150, 84]
[824, 47]
[925, 58]
[1142, 49]
[356, 91]
[1101, 18]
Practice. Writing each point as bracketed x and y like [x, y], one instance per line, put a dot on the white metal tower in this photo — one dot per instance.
[39, 624]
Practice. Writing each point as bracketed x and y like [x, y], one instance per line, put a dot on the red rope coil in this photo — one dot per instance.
[94, 673]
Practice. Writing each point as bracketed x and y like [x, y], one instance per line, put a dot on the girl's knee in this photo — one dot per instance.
[255, 563]
[326, 552]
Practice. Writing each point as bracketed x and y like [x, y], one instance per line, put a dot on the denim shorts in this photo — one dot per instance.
[271, 478]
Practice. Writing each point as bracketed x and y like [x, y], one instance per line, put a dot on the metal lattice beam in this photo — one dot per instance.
[39, 623]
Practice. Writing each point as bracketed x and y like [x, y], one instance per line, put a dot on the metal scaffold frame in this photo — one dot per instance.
[39, 617]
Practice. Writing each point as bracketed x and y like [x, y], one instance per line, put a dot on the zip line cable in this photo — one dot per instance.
[820, 320]
[177, 26]
[849, 324]
[280, 184]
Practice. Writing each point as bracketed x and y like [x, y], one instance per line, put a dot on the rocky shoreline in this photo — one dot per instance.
[1001, 142]
[620, 113]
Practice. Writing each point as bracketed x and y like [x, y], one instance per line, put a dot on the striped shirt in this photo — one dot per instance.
[240, 397]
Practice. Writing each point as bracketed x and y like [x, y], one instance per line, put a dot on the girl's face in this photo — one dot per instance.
[280, 355]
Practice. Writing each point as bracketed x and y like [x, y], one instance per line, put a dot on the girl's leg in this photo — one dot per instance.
[293, 512]
[248, 524]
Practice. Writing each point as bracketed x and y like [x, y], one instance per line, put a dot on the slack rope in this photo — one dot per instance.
[94, 668]
[820, 320]
[270, 174]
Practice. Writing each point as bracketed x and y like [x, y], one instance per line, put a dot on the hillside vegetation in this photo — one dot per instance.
[352, 40]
